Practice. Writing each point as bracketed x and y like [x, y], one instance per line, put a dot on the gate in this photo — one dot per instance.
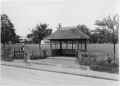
[18, 52]
[13, 51]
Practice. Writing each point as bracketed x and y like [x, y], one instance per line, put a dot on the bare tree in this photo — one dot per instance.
[111, 23]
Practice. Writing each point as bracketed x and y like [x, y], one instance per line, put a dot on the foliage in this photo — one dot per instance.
[6, 53]
[111, 25]
[97, 63]
[41, 31]
[110, 22]
[105, 66]
[7, 30]
[102, 36]
[84, 29]
[106, 30]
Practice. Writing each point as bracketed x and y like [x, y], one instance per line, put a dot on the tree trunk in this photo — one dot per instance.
[114, 45]
[114, 52]
[40, 45]
[3, 52]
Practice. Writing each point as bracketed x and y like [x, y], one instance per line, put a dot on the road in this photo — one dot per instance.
[12, 76]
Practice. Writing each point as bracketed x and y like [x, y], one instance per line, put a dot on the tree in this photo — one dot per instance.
[111, 23]
[84, 29]
[7, 31]
[101, 36]
[41, 31]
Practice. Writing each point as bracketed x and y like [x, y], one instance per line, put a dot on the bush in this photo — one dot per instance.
[42, 54]
[106, 67]
[97, 63]
[83, 59]
[48, 53]
[6, 54]
[110, 69]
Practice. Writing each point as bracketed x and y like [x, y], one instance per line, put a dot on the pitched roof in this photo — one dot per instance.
[68, 33]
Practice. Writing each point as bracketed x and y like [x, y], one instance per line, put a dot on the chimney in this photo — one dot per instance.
[59, 26]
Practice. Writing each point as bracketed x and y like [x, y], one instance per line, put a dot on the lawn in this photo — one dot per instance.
[103, 49]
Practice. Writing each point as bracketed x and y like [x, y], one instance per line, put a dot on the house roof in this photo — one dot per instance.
[68, 33]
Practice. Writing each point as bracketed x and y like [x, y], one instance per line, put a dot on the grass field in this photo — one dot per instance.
[103, 49]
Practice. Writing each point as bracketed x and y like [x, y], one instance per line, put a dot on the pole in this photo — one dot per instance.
[85, 45]
[114, 50]
[114, 44]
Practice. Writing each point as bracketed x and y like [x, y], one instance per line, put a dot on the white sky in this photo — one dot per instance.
[25, 14]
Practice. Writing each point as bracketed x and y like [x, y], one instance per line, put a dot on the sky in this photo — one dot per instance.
[26, 14]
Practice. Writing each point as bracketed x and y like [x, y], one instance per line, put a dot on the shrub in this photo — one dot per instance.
[41, 54]
[83, 59]
[6, 53]
[98, 63]
[106, 67]
[110, 69]
[48, 53]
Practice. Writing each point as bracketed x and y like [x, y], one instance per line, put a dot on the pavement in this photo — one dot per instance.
[82, 71]
[16, 76]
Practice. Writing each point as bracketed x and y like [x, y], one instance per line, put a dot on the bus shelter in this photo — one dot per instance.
[68, 41]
